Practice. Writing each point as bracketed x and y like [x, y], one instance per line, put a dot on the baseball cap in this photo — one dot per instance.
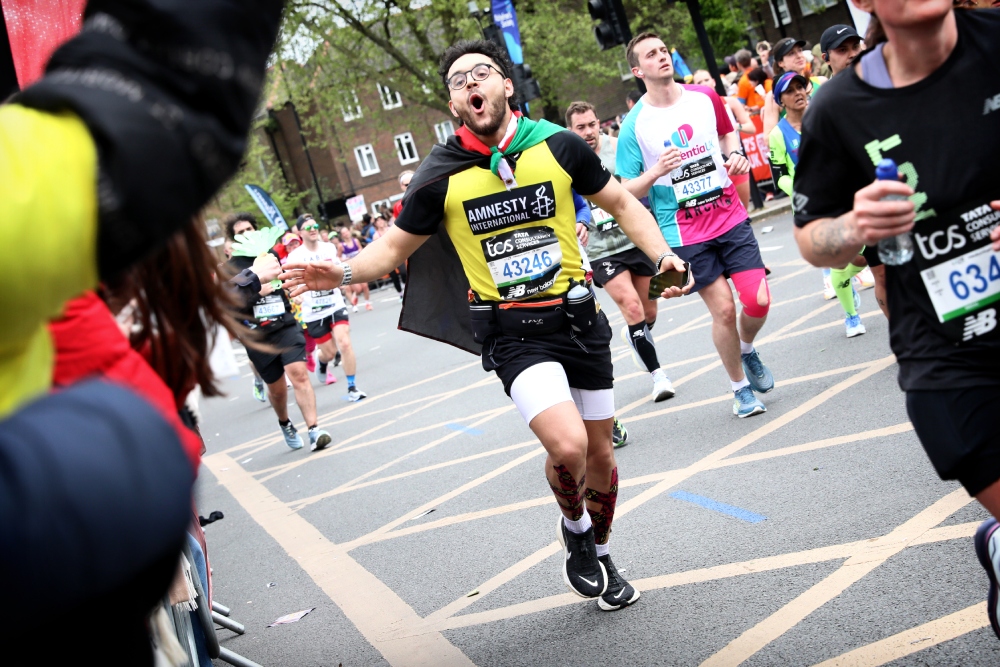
[784, 81]
[303, 218]
[784, 45]
[836, 35]
[290, 238]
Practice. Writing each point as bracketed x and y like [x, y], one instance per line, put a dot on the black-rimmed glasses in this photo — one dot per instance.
[480, 72]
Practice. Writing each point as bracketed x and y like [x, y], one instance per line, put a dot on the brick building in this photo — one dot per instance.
[802, 19]
[360, 149]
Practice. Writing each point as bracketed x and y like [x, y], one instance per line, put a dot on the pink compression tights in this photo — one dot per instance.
[754, 294]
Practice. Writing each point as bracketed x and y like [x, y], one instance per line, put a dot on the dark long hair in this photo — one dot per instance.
[180, 305]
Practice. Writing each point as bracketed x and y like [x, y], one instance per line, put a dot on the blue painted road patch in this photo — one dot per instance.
[716, 506]
[464, 429]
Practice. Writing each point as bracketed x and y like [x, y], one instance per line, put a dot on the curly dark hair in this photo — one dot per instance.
[243, 216]
[483, 47]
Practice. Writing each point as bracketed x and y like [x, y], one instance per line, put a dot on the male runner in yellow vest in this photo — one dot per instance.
[499, 273]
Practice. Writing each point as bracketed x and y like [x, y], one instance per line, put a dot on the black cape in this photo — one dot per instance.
[436, 303]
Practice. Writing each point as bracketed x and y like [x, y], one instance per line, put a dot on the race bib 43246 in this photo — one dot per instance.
[523, 263]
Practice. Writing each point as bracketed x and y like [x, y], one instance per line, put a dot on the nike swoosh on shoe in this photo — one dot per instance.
[592, 583]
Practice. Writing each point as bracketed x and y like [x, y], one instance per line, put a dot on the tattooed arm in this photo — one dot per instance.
[835, 241]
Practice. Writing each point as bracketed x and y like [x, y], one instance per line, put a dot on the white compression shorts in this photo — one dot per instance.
[543, 385]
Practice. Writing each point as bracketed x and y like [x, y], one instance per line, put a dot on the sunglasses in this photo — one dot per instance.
[310, 228]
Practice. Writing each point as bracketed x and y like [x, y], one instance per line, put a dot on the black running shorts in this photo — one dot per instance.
[632, 260]
[586, 359]
[320, 329]
[291, 346]
[960, 431]
[733, 252]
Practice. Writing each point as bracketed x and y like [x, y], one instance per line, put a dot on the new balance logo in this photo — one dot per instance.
[977, 325]
[991, 104]
[799, 202]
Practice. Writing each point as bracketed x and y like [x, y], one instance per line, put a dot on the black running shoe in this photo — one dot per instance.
[620, 593]
[583, 573]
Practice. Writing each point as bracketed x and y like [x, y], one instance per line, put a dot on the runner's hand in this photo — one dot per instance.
[266, 267]
[582, 233]
[737, 165]
[669, 160]
[299, 277]
[676, 264]
[995, 234]
[876, 219]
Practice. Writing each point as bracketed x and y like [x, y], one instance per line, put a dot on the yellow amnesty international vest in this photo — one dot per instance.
[517, 244]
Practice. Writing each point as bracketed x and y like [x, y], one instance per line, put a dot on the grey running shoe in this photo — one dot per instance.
[757, 373]
[354, 394]
[319, 439]
[292, 438]
[746, 404]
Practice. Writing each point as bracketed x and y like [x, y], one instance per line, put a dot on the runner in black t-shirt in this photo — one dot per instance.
[270, 312]
[943, 302]
[499, 272]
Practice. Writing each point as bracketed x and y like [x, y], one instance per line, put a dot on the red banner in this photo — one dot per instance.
[758, 151]
[36, 29]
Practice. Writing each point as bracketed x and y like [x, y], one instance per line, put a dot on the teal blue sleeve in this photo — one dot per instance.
[628, 161]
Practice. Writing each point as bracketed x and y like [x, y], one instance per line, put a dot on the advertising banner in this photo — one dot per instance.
[505, 17]
[267, 206]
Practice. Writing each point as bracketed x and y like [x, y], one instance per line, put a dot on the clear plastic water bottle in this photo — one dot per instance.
[679, 171]
[894, 250]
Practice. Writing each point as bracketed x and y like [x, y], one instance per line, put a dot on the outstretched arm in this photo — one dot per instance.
[377, 259]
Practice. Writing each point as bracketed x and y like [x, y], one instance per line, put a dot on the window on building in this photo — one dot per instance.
[377, 206]
[815, 6]
[786, 16]
[351, 107]
[406, 149]
[367, 163]
[624, 71]
[444, 130]
[390, 98]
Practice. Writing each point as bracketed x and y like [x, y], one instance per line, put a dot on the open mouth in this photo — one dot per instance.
[477, 102]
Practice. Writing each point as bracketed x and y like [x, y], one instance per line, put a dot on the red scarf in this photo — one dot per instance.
[471, 142]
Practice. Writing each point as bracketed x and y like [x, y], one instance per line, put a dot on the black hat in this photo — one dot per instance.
[303, 218]
[836, 35]
[784, 45]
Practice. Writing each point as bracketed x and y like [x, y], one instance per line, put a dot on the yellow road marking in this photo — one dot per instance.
[672, 479]
[915, 639]
[873, 554]
[641, 480]
[433, 623]
[373, 608]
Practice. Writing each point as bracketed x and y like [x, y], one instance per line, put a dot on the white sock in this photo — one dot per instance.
[602, 550]
[739, 385]
[746, 348]
[657, 374]
[580, 526]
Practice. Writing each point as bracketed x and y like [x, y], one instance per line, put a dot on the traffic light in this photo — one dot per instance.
[525, 84]
[613, 28]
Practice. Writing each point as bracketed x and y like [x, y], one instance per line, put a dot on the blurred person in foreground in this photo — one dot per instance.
[92, 524]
